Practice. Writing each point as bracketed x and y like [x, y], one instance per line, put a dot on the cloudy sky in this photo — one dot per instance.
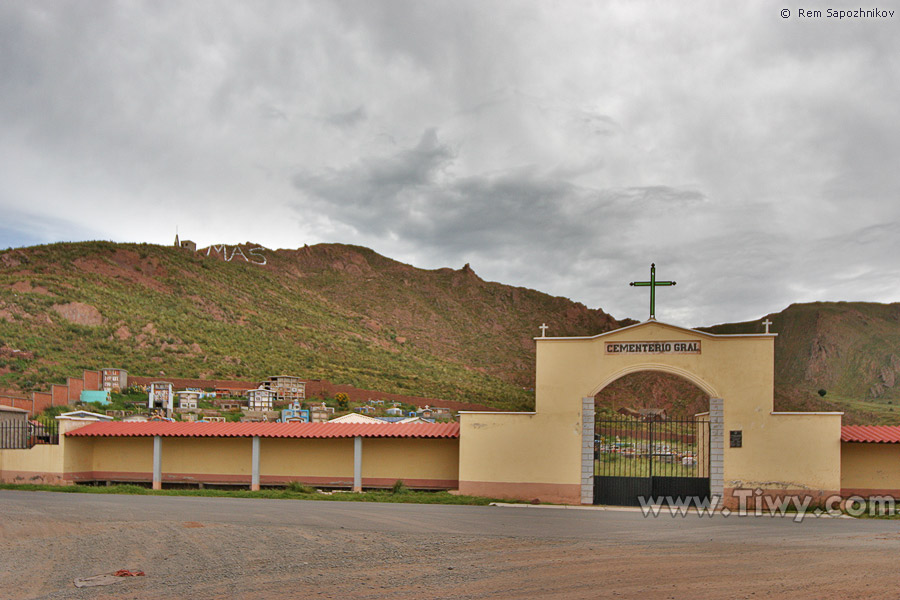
[561, 146]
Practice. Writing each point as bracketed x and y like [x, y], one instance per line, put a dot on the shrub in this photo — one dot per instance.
[299, 488]
[399, 487]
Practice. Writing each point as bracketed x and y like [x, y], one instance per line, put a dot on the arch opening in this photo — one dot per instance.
[652, 436]
[661, 368]
[652, 392]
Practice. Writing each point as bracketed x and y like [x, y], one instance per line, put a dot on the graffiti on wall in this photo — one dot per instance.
[251, 255]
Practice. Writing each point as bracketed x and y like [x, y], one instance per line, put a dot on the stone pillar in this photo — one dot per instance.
[717, 448]
[587, 450]
[157, 462]
[357, 464]
[254, 464]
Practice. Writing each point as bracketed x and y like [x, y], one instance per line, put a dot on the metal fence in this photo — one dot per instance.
[27, 434]
[634, 448]
[635, 458]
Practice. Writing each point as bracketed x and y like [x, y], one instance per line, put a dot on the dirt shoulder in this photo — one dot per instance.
[216, 548]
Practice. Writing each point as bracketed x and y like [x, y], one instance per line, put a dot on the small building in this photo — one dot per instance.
[295, 413]
[319, 413]
[113, 380]
[161, 396]
[366, 410]
[119, 414]
[231, 392]
[439, 412]
[391, 419]
[229, 405]
[394, 411]
[11, 413]
[287, 388]
[260, 399]
[187, 398]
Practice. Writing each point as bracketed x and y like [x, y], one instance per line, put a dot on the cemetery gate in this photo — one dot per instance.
[636, 457]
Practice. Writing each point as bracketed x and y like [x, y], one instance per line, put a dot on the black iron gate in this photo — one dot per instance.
[636, 457]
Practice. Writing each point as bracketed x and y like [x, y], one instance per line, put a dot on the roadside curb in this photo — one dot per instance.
[568, 506]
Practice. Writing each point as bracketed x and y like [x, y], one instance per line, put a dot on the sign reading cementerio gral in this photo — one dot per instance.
[682, 347]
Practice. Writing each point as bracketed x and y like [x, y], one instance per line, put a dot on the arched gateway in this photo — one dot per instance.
[549, 453]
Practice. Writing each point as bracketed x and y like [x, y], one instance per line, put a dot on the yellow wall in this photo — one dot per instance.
[870, 468]
[291, 458]
[48, 463]
[419, 462]
[214, 456]
[40, 464]
[122, 455]
[519, 448]
[384, 460]
[411, 460]
[781, 451]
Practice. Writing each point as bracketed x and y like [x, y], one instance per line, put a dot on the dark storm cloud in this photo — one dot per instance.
[411, 195]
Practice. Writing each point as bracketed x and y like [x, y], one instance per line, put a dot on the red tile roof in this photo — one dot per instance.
[871, 433]
[268, 430]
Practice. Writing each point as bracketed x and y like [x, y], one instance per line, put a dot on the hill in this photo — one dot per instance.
[330, 311]
[353, 317]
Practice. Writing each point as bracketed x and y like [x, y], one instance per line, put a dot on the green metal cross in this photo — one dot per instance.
[652, 284]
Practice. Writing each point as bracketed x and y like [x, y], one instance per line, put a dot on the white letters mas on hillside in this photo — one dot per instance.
[255, 257]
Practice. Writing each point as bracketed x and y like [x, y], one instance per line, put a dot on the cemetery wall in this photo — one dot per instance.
[870, 469]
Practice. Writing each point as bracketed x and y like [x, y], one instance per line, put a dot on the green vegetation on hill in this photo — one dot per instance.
[346, 314]
[336, 312]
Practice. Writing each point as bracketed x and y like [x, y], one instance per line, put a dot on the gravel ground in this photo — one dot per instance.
[242, 548]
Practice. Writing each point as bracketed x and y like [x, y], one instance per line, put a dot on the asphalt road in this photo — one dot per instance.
[254, 548]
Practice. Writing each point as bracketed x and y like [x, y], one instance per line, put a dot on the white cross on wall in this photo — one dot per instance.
[543, 329]
[767, 323]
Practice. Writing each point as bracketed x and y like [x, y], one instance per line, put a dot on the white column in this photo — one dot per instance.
[157, 462]
[357, 464]
[254, 468]
[587, 450]
[717, 448]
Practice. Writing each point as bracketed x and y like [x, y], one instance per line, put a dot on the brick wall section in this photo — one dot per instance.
[41, 401]
[16, 402]
[587, 450]
[75, 387]
[60, 394]
[716, 447]
[91, 380]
